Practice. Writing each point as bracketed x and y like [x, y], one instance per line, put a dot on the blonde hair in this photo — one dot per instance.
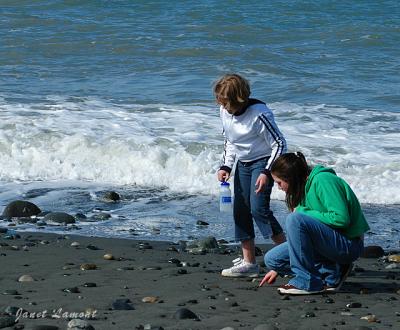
[232, 89]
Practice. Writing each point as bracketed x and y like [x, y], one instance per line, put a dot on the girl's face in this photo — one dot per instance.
[282, 185]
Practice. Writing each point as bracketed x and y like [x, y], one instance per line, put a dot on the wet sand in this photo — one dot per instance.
[173, 279]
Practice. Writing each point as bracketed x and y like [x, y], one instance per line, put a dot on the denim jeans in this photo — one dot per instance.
[248, 205]
[313, 253]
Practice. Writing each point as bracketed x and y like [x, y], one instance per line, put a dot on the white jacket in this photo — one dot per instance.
[251, 135]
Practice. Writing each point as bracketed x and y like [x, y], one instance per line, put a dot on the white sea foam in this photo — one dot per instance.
[179, 147]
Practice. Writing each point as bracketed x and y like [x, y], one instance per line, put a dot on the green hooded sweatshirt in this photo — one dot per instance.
[330, 199]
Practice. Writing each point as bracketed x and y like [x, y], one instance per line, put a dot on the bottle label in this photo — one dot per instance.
[226, 199]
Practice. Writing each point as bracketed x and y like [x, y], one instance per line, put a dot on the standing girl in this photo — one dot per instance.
[254, 140]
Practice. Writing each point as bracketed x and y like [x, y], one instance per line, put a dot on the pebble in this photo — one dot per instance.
[364, 291]
[90, 285]
[12, 310]
[370, 318]
[308, 314]
[75, 244]
[122, 304]
[329, 301]
[11, 292]
[6, 321]
[228, 328]
[354, 305]
[77, 324]
[394, 258]
[184, 313]
[201, 223]
[88, 267]
[92, 247]
[26, 278]
[108, 256]
[111, 196]
[174, 261]
[144, 246]
[346, 314]
[150, 299]
[72, 290]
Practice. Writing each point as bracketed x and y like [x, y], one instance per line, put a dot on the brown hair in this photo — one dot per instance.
[294, 170]
[233, 89]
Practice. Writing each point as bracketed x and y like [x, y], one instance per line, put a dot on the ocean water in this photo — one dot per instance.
[116, 95]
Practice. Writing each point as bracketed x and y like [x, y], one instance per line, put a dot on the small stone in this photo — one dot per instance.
[150, 299]
[329, 301]
[108, 256]
[308, 314]
[174, 261]
[370, 318]
[6, 321]
[182, 271]
[354, 305]
[122, 304]
[346, 314]
[75, 244]
[88, 267]
[11, 292]
[144, 246]
[92, 247]
[111, 196]
[184, 313]
[89, 285]
[364, 291]
[72, 290]
[102, 216]
[26, 278]
[77, 324]
[394, 258]
[13, 310]
[201, 223]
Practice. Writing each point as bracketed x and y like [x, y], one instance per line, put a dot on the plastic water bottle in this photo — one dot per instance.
[225, 198]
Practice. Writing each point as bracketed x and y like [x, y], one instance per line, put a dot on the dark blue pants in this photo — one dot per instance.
[248, 205]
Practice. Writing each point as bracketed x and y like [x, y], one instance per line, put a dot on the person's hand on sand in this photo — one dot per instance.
[261, 182]
[269, 278]
[223, 175]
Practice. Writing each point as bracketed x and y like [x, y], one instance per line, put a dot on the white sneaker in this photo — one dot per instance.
[241, 268]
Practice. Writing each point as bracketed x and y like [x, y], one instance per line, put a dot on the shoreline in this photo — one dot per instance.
[172, 279]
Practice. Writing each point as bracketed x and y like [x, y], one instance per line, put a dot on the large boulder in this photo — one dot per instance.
[59, 217]
[19, 209]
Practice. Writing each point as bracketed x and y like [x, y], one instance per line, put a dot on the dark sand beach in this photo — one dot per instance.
[111, 296]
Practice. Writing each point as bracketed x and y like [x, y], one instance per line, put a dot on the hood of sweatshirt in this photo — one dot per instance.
[315, 171]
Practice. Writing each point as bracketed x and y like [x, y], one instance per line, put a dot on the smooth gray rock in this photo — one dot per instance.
[59, 217]
[20, 209]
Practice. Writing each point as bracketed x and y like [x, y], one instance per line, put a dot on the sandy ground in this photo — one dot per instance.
[59, 290]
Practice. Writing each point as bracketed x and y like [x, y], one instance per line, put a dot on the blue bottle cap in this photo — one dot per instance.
[225, 184]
